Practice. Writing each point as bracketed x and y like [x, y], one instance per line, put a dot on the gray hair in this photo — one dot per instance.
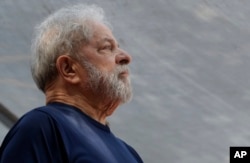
[61, 33]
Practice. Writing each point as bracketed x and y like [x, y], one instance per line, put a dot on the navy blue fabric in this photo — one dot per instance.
[59, 133]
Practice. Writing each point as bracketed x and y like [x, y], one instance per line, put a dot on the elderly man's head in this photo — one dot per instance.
[82, 35]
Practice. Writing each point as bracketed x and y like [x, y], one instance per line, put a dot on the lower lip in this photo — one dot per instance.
[125, 74]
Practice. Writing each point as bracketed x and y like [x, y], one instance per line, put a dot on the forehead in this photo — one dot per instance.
[102, 33]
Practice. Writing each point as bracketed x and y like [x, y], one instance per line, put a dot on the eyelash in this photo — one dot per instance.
[107, 47]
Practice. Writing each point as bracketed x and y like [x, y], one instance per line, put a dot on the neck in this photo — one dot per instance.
[97, 108]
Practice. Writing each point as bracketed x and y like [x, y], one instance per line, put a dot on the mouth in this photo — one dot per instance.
[124, 73]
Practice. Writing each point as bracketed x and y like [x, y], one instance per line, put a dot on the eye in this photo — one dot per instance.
[108, 47]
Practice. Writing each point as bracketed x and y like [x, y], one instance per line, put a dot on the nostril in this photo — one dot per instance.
[124, 61]
[123, 58]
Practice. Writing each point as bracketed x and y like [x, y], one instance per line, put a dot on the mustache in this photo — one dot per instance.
[121, 69]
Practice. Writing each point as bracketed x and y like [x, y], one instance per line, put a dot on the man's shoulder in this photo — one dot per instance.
[35, 131]
[41, 117]
[48, 118]
[37, 115]
[33, 121]
[42, 113]
[37, 124]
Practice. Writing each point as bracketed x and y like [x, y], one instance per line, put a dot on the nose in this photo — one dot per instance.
[123, 58]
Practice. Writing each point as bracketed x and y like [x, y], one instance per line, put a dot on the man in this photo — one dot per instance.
[83, 72]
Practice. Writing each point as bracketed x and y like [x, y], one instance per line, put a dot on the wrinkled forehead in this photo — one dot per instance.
[102, 33]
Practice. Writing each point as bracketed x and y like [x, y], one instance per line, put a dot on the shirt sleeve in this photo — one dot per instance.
[35, 138]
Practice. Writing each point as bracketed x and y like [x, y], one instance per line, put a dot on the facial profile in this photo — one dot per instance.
[106, 65]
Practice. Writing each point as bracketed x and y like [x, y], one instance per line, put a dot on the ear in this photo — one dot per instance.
[67, 69]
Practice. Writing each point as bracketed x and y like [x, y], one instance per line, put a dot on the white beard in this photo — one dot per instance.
[109, 84]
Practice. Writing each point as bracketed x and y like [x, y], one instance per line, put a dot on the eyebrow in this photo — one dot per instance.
[106, 39]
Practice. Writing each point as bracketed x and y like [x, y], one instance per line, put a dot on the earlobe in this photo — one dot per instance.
[67, 69]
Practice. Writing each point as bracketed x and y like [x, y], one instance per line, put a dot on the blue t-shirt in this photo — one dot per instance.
[60, 133]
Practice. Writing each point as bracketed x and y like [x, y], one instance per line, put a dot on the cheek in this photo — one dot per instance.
[108, 65]
[104, 62]
[83, 74]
